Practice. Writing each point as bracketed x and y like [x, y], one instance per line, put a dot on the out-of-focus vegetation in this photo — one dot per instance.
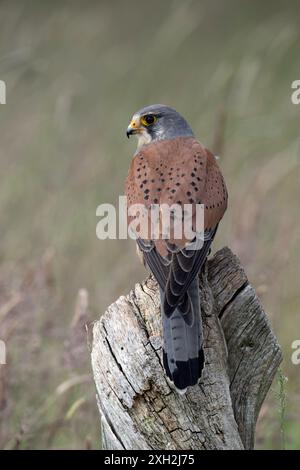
[75, 72]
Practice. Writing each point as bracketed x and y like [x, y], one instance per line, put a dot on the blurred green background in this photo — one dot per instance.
[75, 72]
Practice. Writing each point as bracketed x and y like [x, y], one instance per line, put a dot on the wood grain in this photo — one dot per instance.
[138, 407]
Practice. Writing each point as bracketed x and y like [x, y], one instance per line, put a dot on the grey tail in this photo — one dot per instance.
[183, 356]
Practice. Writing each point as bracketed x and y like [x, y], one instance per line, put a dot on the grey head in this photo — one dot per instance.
[158, 122]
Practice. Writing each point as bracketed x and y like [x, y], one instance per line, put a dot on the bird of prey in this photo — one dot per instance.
[171, 167]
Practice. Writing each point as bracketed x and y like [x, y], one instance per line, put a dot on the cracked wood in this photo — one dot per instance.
[139, 409]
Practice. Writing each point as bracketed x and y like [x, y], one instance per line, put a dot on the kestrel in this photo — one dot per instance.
[171, 167]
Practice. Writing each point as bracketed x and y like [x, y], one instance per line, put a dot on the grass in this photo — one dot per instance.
[75, 72]
[282, 400]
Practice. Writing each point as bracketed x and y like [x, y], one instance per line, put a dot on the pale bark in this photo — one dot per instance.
[138, 408]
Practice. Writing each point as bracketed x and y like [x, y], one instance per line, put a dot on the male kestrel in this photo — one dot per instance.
[172, 167]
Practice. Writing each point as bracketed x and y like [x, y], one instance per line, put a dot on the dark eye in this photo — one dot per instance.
[149, 119]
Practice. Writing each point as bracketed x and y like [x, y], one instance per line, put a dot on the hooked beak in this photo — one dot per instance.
[129, 132]
[134, 128]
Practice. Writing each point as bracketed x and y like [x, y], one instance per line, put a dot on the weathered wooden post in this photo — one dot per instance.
[139, 410]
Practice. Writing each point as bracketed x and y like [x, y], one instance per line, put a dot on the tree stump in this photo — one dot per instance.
[139, 409]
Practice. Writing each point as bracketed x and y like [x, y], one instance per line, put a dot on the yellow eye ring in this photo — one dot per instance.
[148, 119]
